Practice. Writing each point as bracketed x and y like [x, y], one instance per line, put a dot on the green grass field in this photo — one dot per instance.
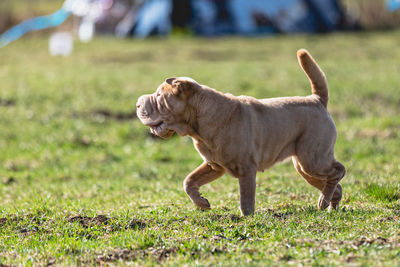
[83, 182]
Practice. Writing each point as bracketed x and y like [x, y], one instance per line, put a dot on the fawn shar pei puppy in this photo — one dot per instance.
[242, 135]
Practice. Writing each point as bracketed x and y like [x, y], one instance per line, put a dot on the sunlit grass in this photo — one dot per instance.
[82, 181]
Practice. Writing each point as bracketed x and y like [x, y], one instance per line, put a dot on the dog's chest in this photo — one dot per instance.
[205, 152]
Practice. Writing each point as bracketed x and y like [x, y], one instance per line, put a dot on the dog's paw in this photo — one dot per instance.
[203, 203]
[322, 202]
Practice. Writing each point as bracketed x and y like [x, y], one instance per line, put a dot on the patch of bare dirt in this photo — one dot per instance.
[88, 221]
[6, 220]
[233, 217]
[121, 254]
[7, 102]
[9, 180]
[29, 230]
[131, 255]
[31, 224]
[136, 224]
[278, 215]
[368, 241]
[33, 218]
[3, 220]
[163, 253]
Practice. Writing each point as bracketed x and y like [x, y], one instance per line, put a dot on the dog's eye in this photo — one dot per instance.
[158, 94]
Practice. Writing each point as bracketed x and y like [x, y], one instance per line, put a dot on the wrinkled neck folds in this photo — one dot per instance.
[208, 105]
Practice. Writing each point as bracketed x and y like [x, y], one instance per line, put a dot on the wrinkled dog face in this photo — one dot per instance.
[166, 111]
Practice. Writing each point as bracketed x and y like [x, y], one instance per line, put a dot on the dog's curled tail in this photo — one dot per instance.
[319, 85]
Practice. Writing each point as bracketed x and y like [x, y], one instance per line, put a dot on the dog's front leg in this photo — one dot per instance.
[247, 185]
[202, 175]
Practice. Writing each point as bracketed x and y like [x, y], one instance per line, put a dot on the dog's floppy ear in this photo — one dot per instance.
[182, 87]
[170, 80]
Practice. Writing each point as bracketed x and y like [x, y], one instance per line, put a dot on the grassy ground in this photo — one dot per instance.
[82, 181]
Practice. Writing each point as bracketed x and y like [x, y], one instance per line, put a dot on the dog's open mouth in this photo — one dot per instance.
[161, 129]
[154, 127]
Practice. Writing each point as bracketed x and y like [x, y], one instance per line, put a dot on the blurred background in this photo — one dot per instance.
[144, 18]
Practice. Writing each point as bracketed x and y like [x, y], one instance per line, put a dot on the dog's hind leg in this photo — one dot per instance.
[204, 174]
[314, 159]
[332, 191]
[325, 181]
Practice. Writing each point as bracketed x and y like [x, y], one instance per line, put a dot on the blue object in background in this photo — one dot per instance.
[393, 5]
[154, 17]
[34, 24]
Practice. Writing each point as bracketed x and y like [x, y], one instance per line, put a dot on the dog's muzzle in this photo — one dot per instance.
[147, 112]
